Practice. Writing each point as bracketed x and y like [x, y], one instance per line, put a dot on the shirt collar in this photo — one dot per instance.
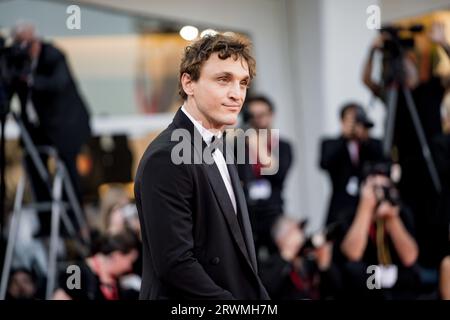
[205, 133]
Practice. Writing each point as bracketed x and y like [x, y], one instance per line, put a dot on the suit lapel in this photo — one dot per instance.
[221, 193]
[243, 238]
[242, 210]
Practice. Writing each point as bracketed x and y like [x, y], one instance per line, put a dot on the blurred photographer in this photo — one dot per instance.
[264, 193]
[293, 272]
[343, 158]
[379, 234]
[302, 266]
[101, 273]
[52, 110]
[406, 62]
[412, 63]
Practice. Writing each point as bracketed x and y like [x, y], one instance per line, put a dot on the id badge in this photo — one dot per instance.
[388, 275]
[352, 187]
[259, 189]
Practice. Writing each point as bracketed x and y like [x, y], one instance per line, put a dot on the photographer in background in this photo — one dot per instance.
[264, 193]
[123, 218]
[52, 110]
[101, 272]
[416, 62]
[344, 157]
[380, 233]
[301, 268]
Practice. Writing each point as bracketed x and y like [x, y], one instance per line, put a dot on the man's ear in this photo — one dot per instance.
[187, 83]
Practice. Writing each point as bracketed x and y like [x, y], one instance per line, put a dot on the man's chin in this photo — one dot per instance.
[230, 121]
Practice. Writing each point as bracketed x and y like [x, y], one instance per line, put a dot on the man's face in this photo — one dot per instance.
[122, 263]
[349, 116]
[348, 122]
[361, 131]
[27, 38]
[220, 91]
[261, 116]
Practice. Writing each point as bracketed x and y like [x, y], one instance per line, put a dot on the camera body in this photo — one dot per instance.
[383, 193]
[387, 194]
[15, 64]
[319, 238]
[395, 45]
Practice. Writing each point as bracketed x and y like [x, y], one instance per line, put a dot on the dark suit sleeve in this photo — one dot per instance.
[58, 77]
[166, 196]
[331, 153]
[441, 153]
[374, 149]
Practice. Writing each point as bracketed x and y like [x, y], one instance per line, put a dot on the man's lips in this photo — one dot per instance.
[232, 106]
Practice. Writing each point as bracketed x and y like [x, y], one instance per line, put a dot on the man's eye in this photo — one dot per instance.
[222, 79]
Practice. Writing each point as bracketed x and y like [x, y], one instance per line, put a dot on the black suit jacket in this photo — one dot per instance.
[274, 204]
[194, 245]
[63, 116]
[335, 159]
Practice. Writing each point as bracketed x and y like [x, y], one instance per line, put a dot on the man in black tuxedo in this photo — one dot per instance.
[52, 110]
[344, 157]
[196, 233]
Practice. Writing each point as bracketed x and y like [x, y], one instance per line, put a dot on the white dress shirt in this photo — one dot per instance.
[217, 156]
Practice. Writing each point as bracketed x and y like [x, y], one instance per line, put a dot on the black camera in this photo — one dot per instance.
[387, 193]
[397, 41]
[15, 61]
[319, 238]
[15, 64]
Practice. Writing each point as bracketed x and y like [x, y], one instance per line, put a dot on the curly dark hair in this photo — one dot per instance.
[226, 46]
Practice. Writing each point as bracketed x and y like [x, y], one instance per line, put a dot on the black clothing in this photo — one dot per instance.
[195, 246]
[355, 274]
[336, 160]
[416, 187]
[63, 121]
[264, 211]
[90, 284]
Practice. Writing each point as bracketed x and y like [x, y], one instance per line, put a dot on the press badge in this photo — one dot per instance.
[259, 190]
[388, 275]
[352, 187]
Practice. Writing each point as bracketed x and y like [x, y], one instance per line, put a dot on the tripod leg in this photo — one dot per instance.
[56, 215]
[73, 201]
[31, 149]
[392, 111]
[14, 230]
[423, 141]
[67, 223]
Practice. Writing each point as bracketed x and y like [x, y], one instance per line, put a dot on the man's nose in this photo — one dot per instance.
[235, 91]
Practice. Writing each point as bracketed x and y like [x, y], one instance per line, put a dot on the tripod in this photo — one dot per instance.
[392, 99]
[60, 182]
[395, 76]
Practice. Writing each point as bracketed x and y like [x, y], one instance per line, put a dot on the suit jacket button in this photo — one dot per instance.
[215, 261]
